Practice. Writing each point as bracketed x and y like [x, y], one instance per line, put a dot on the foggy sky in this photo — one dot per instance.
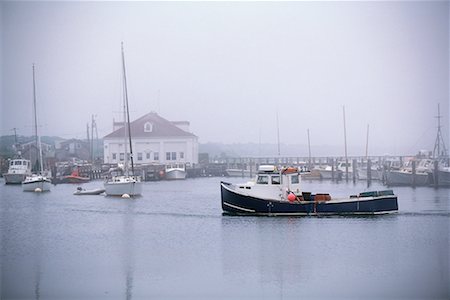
[228, 67]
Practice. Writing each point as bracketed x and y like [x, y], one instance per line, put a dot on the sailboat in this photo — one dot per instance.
[125, 183]
[36, 182]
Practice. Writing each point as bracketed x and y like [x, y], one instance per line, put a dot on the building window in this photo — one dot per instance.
[147, 155]
[148, 127]
[167, 155]
[174, 156]
[156, 155]
[139, 155]
[114, 156]
[121, 156]
[181, 155]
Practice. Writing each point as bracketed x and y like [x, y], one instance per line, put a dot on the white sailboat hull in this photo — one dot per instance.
[119, 188]
[33, 183]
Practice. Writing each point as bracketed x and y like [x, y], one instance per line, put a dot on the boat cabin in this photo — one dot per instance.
[19, 165]
[273, 183]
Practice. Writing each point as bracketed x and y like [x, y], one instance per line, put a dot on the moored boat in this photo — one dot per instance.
[36, 182]
[18, 170]
[126, 183]
[74, 177]
[80, 191]
[175, 171]
[278, 192]
[444, 176]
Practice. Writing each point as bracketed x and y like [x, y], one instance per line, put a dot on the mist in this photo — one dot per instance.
[229, 68]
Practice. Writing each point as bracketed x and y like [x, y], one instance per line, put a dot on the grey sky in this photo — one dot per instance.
[227, 67]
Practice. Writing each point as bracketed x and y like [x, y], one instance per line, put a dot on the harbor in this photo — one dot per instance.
[108, 247]
[224, 150]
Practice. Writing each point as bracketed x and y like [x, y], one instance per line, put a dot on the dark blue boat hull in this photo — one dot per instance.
[235, 203]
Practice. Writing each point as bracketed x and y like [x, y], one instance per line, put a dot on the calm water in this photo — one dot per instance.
[174, 243]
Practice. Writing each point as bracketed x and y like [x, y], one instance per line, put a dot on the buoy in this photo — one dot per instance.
[125, 196]
[291, 197]
[38, 190]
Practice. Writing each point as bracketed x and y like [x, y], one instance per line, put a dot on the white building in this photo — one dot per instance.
[154, 140]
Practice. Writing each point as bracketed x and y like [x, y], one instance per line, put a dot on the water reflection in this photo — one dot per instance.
[38, 207]
[128, 246]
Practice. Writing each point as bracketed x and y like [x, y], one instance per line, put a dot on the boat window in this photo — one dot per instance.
[11, 163]
[294, 179]
[276, 179]
[262, 179]
[18, 163]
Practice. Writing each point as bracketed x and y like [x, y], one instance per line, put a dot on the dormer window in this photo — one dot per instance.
[148, 127]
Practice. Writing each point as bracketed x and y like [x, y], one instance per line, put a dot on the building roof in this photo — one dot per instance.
[160, 128]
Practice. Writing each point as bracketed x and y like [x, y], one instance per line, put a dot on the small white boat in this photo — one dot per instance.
[18, 169]
[36, 183]
[175, 171]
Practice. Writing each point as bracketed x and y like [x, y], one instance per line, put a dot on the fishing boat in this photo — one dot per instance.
[36, 182]
[277, 192]
[175, 171]
[125, 183]
[444, 176]
[74, 177]
[18, 170]
[406, 176]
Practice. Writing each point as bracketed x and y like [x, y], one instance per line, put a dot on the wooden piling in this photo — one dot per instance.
[354, 169]
[413, 165]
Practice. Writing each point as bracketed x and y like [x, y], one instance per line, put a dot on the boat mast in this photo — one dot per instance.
[38, 140]
[127, 110]
[439, 138]
[345, 143]
[309, 152]
[278, 136]
[367, 142]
